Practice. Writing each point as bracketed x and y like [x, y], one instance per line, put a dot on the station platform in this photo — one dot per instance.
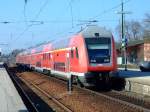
[136, 81]
[10, 100]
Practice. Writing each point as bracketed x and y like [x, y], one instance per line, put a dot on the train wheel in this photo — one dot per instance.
[46, 72]
[32, 68]
[49, 73]
[106, 81]
[78, 82]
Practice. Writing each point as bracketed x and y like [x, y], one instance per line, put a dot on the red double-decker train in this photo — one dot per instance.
[88, 57]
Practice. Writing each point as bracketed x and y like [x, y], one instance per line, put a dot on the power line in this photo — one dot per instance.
[5, 22]
[41, 9]
[108, 10]
[93, 19]
[25, 1]
[40, 22]
[45, 3]
[33, 21]
[71, 11]
[24, 11]
[100, 14]
[26, 29]
[4, 44]
[35, 18]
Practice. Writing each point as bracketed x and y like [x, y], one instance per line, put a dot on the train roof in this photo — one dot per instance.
[92, 30]
[88, 32]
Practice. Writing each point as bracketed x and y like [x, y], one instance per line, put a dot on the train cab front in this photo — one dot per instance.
[101, 57]
[101, 54]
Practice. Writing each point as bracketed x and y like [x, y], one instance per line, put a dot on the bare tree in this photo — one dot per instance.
[127, 30]
[118, 30]
[132, 30]
[136, 30]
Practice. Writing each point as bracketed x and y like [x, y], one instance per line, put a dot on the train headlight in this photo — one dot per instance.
[106, 60]
[93, 60]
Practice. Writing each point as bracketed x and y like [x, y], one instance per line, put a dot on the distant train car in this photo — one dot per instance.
[88, 57]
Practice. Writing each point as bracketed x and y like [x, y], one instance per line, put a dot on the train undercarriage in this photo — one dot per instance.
[89, 80]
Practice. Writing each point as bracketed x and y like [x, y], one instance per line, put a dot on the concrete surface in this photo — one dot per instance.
[136, 81]
[10, 101]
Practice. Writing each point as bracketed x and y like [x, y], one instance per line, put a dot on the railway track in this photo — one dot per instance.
[120, 97]
[127, 103]
[129, 98]
[32, 101]
[50, 97]
[123, 100]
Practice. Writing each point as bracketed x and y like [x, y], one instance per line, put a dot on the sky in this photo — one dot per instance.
[38, 21]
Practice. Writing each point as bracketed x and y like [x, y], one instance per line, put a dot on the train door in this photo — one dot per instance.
[52, 61]
[74, 59]
[68, 62]
[47, 60]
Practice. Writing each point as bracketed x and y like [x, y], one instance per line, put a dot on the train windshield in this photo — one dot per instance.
[99, 49]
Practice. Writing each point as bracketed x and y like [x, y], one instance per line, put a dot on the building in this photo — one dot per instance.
[137, 50]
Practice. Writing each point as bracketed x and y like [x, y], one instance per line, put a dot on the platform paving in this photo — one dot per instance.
[136, 81]
[10, 100]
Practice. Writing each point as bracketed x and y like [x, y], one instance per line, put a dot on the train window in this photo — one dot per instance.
[44, 56]
[77, 55]
[71, 53]
[49, 56]
[98, 49]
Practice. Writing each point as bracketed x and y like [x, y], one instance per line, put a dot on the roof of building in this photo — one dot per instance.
[134, 42]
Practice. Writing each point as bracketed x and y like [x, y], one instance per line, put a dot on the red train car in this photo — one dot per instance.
[88, 57]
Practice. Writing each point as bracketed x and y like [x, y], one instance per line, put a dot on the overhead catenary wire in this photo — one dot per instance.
[34, 19]
[108, 10]
[40, 22]
[72, 20]
[100, 14]
[30, 25]
[71, 11]
[40, 10]
[24, 11]
[62, 21]
[91, 19]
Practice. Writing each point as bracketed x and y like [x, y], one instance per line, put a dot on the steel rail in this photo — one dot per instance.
[23, 93]
[140, 108]
[48, 95]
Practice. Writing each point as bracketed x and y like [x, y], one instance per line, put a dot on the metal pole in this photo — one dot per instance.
[123, 38]
[70, 85]
[122, 21]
